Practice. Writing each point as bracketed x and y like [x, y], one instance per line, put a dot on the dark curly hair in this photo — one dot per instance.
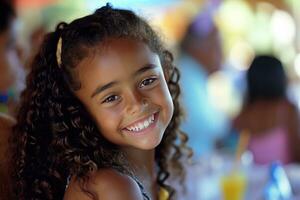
[55, 137]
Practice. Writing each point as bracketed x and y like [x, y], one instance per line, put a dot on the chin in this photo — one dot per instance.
[149, 145]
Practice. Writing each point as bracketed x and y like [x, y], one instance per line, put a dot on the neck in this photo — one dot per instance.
[143, 163]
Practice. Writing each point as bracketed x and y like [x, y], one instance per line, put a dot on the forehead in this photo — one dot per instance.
[125, 49]
[115, 57]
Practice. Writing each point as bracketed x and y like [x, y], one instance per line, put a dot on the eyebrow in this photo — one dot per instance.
[142, 70]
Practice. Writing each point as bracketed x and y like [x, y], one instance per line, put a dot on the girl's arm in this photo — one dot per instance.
[106, 184]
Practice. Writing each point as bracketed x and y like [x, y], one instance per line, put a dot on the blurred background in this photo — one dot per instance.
[214, 43]
[246, 28]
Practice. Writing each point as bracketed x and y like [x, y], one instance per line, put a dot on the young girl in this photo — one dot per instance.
[100, 115]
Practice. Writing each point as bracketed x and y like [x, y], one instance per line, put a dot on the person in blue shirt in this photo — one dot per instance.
[200, 56]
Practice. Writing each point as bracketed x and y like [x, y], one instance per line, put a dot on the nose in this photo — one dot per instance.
[135, 102]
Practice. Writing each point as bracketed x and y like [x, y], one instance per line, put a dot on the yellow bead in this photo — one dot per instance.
[163, 194]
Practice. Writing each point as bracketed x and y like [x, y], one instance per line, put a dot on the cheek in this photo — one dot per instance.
[169, 104]
[164, 99]
[107, 119]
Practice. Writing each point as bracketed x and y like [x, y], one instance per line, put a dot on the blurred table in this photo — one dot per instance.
[203, 178]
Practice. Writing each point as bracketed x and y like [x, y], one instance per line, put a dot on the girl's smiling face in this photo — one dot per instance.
[124, 89]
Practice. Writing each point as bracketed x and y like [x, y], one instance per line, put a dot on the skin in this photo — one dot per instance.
[264, 115]
[106, 184]
[135, 89]
[6, 124]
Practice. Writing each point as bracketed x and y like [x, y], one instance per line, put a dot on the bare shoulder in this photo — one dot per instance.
[106, 184]
[113, 185]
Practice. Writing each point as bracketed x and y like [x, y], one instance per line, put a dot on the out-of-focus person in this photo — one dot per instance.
[11, 83]
[200, 56]
[268, 114]
[35, 39]
[11, 71]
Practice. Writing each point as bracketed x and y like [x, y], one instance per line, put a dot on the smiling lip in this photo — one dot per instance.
[143, 130]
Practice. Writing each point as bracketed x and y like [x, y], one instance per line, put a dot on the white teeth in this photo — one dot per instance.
[146, 123]
[142, 125]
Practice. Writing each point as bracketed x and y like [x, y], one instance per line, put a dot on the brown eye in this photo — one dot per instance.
[147, 82]
[111, 99]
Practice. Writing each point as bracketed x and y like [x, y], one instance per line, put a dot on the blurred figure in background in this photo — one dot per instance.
[35, 39]
[11, 71]
[200, 56]
[11, 83]
[270, 117]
